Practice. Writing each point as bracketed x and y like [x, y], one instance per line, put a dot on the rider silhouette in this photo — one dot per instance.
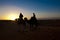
[20, 19]
[21, 16]
[33, 21]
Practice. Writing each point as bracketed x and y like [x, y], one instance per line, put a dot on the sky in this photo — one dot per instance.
[43, 9]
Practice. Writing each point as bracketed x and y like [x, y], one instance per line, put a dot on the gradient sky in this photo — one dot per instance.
[42, 8]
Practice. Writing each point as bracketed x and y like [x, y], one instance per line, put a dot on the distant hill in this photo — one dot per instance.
[51, 22]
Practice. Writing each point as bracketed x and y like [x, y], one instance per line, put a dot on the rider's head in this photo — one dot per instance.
[34, 14]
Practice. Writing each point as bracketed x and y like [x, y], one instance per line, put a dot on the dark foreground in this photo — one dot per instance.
[9, 31]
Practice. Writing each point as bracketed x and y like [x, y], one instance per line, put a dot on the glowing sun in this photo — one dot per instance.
[12, 17]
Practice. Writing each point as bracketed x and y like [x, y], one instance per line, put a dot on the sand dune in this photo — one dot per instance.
[9, 31]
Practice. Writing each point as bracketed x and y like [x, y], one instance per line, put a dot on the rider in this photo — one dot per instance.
[33, 21]
[20, 20]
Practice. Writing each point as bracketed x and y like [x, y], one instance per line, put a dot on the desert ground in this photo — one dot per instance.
[47, 30]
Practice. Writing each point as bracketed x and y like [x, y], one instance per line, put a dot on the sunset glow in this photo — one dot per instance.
[12, 17]
[10, 9]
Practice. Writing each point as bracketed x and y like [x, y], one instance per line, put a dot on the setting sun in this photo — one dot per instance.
[12, 17]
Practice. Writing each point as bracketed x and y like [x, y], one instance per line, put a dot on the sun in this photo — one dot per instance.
[12, 17]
